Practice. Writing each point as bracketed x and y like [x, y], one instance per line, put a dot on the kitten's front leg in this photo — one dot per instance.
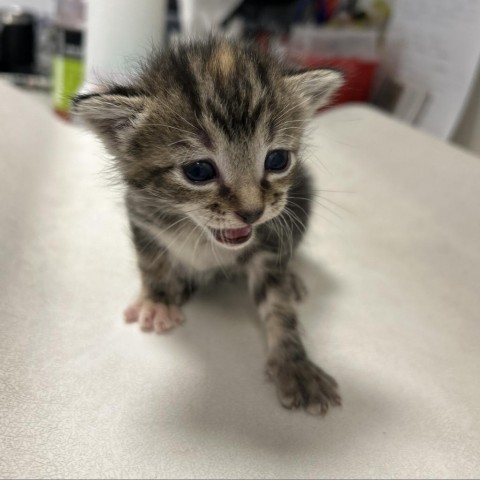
[165, 287]
[299, 382]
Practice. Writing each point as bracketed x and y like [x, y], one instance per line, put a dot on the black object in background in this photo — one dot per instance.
[17, 41]
[266, 16]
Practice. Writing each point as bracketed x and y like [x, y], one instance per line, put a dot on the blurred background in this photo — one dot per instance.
[415, 59]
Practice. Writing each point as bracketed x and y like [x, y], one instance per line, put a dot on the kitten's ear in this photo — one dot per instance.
[317, 87]
[112, 115]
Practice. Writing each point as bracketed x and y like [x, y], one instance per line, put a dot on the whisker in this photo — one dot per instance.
[320, 203]
[296, 218]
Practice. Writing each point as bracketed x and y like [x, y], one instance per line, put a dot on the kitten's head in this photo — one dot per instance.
[211, 131]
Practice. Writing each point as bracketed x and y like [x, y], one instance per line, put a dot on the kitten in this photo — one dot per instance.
[207, 141]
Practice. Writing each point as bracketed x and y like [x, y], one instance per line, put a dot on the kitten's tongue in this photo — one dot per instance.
[236, 233]
[233, 236]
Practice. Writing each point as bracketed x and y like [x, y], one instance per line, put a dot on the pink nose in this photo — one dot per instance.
[249, 216]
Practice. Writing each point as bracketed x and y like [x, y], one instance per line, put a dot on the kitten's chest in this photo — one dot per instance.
[195, 250]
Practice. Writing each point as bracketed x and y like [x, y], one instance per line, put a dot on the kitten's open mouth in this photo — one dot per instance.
[233, 236]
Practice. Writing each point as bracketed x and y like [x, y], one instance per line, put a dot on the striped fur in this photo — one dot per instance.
[228, 103]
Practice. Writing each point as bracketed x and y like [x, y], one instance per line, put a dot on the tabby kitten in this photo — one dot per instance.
[207, 141]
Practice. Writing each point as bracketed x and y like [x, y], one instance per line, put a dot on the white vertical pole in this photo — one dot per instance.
[119, 33]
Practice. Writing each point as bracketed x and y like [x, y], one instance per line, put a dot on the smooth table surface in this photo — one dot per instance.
[392, 261]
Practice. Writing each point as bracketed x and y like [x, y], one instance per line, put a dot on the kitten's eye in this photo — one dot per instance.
[200, 171]
[277, 160]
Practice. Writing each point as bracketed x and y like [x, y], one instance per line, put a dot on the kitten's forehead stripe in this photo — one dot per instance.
[188, 82]
[218, 90]
[235, 122]
[223, 60]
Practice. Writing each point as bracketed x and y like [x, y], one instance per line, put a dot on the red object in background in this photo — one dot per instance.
[359, 75]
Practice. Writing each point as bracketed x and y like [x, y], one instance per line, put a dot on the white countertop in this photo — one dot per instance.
[393, 265]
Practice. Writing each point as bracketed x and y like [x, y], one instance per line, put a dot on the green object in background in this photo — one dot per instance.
[68, 69]
[67, 79]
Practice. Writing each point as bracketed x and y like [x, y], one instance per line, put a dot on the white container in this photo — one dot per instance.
[119, 34]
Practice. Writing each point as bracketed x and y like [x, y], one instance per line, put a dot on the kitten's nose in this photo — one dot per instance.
[250, 216]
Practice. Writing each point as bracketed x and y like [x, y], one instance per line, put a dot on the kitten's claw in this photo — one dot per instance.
[301, 384]
[154, 316]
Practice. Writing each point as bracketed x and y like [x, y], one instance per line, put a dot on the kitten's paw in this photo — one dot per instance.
[301, 384]
[154, 316]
